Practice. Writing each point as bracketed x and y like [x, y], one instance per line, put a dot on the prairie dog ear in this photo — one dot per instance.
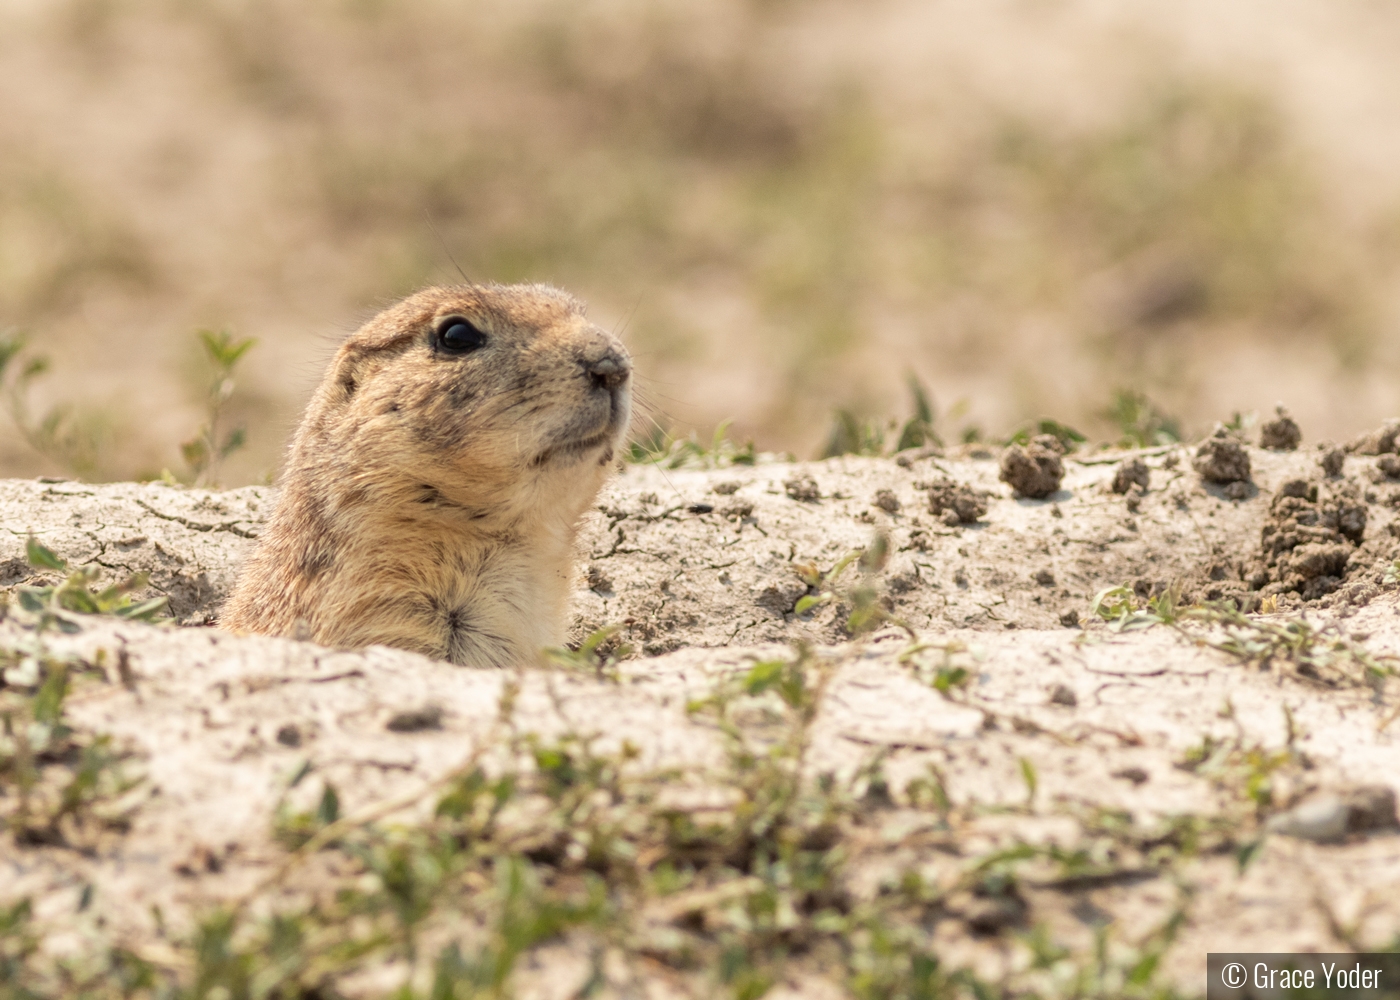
[401, 321]
[344, 379]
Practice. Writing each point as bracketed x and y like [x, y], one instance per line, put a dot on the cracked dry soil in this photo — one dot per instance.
[704, 570]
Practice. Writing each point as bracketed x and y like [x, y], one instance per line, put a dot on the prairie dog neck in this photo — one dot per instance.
[433, 578]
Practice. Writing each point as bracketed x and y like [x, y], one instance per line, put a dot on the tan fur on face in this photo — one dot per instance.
[430, 500]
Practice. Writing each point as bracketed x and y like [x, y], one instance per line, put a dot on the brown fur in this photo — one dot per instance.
[430, 500]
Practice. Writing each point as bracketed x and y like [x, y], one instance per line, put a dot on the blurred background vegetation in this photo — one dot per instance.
[1031, 206]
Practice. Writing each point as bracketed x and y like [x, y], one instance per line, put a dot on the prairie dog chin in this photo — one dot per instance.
[433, 490]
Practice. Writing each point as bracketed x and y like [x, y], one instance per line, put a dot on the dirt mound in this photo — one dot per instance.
[885, 675]
[1034, 471]
[952, 503]
[1312, 535]
[188, 543]
[1222, 459]
[1281, 434]
[1132, 472]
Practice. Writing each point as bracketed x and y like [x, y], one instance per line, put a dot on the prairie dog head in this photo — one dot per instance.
[492, 399]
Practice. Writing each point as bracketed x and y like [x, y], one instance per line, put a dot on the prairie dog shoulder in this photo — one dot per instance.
[433, 489]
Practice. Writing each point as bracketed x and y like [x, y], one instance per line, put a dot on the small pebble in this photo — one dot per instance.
[415, 720]
[1063, 694]
[1322, 819]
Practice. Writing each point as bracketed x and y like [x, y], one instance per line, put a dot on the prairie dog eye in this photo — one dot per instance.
[456, 335]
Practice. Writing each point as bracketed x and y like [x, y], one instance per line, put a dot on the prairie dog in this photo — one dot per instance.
[433, 490]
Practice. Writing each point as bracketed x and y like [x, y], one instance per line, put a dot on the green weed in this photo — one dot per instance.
[850, 435]
[1069, 438]
[668, 452]
[948, 665]
[1245, 766]
[56, 605]
[74, 438]
[559, 840]
[1140, 423]
[1317, 653]
[69, 784]
[867, 609]
[204, 452]
[598, 654]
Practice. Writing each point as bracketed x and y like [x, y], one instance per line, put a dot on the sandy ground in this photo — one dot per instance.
[703, 570]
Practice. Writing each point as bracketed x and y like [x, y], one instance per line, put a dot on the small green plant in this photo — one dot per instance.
[1124, 612]
[1030, 778]
[1243, 766]
[669, 452]
[948, 666]
[204, 452]
[1240, 424]
[73, 438]
[54, 606]
[1140, 422]
[850, 435]
[868, 612]
[69, 784]
[597, 654]
[1069, 438]
[61, 775]
[1317, 653]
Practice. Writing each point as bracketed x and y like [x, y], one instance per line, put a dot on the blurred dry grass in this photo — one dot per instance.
[1027, 203]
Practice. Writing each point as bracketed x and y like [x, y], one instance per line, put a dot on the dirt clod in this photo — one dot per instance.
[726, 488]
[1133, 472]
[1136, 775]
[1314, 560]
[955, 503]
[1063, 694]
[415, 720]
[1378, 442]
[1069, 618]
[1280, 434]
[1390, 465]
[1221, 459]
[1371, 807]
[987, 914]
[1332, 460]
[802, 487]
[1034, 471]
[886, 501]
[1308, 543]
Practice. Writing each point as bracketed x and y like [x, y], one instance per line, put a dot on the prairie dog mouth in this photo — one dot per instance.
[572, 445]
[573, 451]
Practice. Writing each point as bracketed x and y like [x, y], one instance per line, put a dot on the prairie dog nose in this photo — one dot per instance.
[609, 370]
